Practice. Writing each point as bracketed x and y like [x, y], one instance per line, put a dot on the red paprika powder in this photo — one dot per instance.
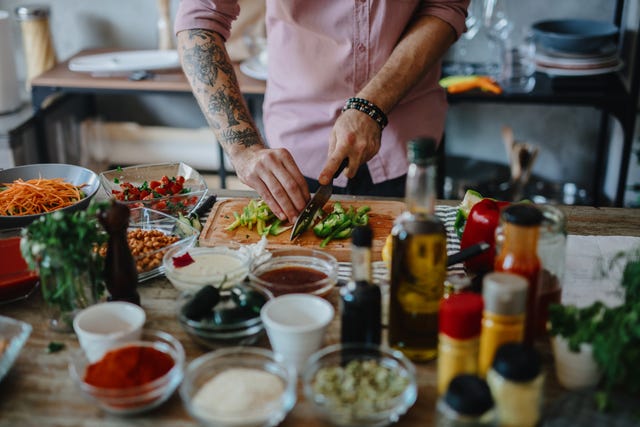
[129, 366]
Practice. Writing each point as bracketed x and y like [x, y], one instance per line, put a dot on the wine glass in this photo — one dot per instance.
[498, 28]
[473, 22]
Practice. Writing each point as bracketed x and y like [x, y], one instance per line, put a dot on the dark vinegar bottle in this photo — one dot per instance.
[360, 299]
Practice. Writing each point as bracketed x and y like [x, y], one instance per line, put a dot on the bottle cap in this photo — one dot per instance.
[505, 293]
[26, 13]
[517, 362]
[460, 315]
[362, 236]
[525, 214]
[469, 395]
[421, 150]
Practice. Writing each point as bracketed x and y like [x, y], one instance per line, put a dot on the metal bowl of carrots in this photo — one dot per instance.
[30, 191]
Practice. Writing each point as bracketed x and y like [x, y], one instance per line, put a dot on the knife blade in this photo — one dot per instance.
[319, 199]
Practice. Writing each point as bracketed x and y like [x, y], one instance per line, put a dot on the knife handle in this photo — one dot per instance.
[343, 165]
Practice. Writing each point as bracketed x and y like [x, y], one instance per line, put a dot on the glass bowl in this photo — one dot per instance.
[220, 266]
[15, 334]
[296, 270]
[149, 258]
[133, 400]
[233, 321]
[332, 374]
[236, 406]
[73, 174]
[184, 202]
[17, 281]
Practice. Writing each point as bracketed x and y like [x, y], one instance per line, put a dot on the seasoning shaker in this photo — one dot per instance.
[467, 403]
[503, 318]
[518, 255]
[459, 321]
[360, 299]
[516, 382]
[38, 47]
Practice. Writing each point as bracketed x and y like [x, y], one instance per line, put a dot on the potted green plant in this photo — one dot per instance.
[613, 333]
[63, 248]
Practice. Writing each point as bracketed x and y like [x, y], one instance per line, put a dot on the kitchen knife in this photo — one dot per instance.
[318, 200]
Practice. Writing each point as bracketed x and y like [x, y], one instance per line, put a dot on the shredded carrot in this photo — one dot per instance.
[36, 196]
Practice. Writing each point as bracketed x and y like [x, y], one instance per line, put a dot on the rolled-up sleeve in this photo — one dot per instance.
[214, 15]
[453, 12]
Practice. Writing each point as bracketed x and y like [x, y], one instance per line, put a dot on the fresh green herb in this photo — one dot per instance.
[55, 347]
[61, 246]
[116, 180]
[614, 332]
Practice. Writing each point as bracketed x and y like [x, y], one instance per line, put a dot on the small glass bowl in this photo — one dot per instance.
[297, 259]
[16, 333]
[213, 336]
[206, 367]
[183, 203]
[381, 413]
[220, 266]
[138, 399]
[149, 263]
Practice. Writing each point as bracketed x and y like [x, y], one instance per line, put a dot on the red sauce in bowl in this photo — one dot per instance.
[291, 276]
[16, 280]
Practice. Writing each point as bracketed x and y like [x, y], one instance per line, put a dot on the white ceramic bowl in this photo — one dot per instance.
[107, 325]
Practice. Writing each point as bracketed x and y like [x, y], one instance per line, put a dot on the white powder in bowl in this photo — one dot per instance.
[239, 394]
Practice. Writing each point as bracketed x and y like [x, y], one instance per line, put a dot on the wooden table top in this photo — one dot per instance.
[38, 390]
[162, 81]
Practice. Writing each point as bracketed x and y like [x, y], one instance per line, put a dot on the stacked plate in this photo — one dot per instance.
[557, 63]
[575, 47]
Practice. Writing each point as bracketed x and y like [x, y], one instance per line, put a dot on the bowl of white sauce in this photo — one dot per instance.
[189, 269]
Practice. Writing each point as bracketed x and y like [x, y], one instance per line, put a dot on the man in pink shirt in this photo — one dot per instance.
[348, 79]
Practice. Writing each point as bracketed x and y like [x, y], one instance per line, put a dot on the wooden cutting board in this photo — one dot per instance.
[381, 217]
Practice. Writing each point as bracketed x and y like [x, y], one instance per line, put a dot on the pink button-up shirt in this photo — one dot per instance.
[323, 52]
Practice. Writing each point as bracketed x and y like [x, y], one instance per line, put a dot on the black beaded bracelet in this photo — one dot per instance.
[367, 107]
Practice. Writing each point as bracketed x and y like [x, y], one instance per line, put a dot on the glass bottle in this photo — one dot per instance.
[459, 321]
[516, 381]
[466, 403]
[360, 299]
[519, 254]
[505, 304]
[418, 260]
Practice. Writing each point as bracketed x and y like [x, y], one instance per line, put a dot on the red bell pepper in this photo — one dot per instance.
[481, 225]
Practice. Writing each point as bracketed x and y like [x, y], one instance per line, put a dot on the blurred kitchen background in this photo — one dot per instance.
[151, 127]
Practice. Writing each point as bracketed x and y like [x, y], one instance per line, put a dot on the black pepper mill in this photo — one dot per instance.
[121, 275]
[360, 299]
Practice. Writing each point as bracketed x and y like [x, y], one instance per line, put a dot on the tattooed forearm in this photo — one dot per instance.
[205, 59]
[245, 137]
[227, 103]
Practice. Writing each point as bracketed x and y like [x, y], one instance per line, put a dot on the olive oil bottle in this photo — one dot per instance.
[418, 260]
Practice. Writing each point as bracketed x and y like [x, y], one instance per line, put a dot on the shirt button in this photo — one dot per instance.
[361, 47]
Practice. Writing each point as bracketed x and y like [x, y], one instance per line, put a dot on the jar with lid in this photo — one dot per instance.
[467, 403]
[38, 47]
[518, 255]
[458, 340]
[505, 303]
[516, 381]
[552, 250]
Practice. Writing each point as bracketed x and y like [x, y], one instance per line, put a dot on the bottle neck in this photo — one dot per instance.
[420, 195]
[520, 240]
[361, 264]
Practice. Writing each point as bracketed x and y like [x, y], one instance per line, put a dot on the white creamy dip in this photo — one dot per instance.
[210, 264]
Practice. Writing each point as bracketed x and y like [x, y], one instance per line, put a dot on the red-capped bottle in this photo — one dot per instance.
[460, 318]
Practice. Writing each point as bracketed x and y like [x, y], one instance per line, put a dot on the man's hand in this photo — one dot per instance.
[355, 136]
[275, 176]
